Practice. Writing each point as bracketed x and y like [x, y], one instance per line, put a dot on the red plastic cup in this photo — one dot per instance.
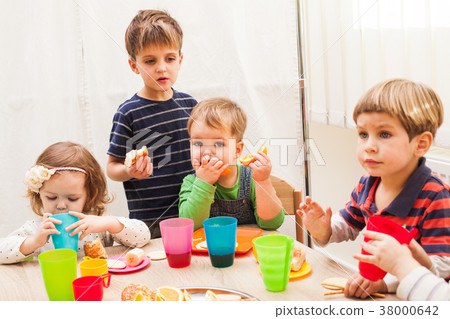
[90, 288]
[386, 226]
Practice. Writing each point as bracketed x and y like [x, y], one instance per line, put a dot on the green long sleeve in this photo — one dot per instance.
[196, 197]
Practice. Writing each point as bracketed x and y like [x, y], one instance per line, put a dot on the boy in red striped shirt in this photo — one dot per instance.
[396, 122]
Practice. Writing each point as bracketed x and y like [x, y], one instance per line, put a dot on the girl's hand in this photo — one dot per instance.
[45, 229]
[359, 287]
[210, 169]
[143, 168]
[89, 224]
[39, 239]
[261, 167]
[315, 219]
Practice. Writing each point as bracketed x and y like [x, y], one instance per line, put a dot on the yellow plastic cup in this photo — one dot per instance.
[59, 270]
[93, 267]
[274, 254]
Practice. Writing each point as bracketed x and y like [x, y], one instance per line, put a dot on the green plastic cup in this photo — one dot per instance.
[59, 270]
[274, 257]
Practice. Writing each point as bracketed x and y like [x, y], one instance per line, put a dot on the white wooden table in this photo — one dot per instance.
[23, 281]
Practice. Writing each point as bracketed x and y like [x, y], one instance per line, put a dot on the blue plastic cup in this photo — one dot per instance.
[64, 240]
[220, 235]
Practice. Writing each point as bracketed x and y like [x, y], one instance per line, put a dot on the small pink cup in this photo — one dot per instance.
[386, 226]
[177, 234]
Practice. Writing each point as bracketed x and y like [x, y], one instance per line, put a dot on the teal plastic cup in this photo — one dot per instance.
[274, 257]
[59, 270]
[64, 240]
[220, 233]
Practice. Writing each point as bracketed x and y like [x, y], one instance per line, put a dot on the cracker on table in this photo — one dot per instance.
[115, 264]
[157, 255]
[334, 283]
[203, 245]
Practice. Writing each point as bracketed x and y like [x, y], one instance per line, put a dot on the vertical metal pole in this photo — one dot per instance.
[304, 111]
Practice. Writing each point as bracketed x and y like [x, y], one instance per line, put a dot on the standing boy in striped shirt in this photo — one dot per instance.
[396, 122]
[156, 117]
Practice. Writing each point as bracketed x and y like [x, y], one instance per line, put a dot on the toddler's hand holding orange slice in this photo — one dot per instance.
[248, 159]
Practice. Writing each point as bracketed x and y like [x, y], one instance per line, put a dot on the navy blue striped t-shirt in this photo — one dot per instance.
[162, 127]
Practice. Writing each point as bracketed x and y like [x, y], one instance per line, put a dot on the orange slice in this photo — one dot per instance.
[264, 149]
[139, 296]
[211, 296]
[160, 297]
[246, 160]
[170, 293]
[186, 295]
[226, 171]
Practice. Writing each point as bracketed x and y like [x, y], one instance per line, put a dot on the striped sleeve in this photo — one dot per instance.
[121, 132]
[352, 213]
[435, 237]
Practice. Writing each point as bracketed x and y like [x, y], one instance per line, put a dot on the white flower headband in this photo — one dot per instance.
[38, 174]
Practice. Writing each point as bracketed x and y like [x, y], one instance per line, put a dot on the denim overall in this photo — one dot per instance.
[241, 208]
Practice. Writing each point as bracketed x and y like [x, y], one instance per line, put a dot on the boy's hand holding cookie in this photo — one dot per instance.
[138, 163]
[143, 168]
[315, 219]
[209, 169]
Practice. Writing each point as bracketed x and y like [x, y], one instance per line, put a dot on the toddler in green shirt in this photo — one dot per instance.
[219, 187]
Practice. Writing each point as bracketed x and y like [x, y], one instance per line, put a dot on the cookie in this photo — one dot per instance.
[115, 264]
[157, 255]
[334, 283]
[203, 245]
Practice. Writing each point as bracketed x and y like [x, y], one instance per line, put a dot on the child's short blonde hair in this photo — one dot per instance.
[417, 106]
[68, 154]
[222, 114]
[152, 27]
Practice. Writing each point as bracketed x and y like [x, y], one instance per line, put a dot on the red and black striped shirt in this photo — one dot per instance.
[424, 203]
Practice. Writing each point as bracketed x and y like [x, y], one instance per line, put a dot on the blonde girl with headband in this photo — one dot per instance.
[68, 179]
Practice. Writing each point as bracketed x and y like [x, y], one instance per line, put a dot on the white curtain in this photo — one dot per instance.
[350, 45]
[64, 72]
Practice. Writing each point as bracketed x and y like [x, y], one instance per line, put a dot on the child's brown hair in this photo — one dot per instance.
[416, 105]
[68, 154]
[152, 27]
[220, 113]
